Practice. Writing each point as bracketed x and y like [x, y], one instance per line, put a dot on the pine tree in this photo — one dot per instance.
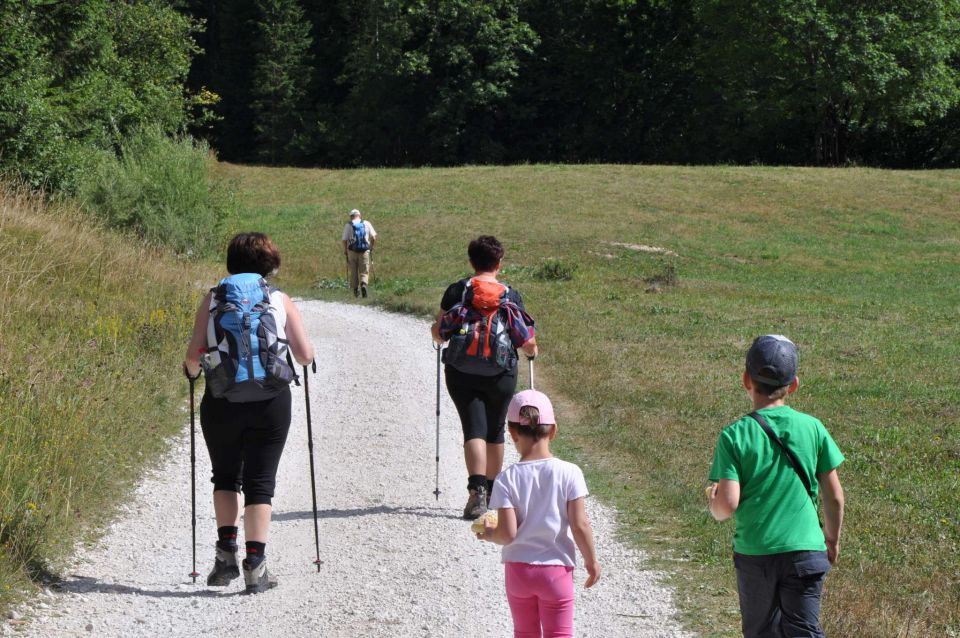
[281, 81]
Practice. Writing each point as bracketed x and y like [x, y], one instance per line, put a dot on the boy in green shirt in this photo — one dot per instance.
[781, 554]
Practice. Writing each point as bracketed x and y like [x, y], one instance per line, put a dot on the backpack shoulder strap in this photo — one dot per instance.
[791, 457]
[265, 288]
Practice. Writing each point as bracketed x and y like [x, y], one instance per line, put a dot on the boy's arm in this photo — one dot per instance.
[832, 494]
[724, 499]
[583, 535]
[505, 530]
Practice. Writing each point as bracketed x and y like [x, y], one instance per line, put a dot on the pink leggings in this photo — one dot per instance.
[540, 595]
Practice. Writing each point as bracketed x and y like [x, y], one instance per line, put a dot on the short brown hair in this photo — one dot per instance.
[534, 429]
[252, 252]
[485, 252]
[771, 392]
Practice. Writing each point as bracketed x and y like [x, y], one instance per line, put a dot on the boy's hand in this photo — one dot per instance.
[594, 570]
[833, 550]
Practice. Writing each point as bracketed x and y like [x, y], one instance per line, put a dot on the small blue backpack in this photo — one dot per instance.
[246, 358]
[360, 243]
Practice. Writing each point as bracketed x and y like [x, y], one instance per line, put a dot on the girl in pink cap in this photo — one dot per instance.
[540, 517]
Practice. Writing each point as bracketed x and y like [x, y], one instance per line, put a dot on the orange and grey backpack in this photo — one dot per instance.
[484, 329]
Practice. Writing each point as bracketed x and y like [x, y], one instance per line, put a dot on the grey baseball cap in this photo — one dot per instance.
[773, 359]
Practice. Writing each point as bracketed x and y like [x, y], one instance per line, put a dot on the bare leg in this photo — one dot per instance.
[226, 506]
[475, 455]
[256, 522]
[494, 453]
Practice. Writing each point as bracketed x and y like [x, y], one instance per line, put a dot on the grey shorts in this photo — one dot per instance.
[780, 593]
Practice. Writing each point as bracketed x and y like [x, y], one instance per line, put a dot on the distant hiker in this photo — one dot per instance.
[769, 467]
[540, 517]
[240, 337]
[484, 322]
[359, 238]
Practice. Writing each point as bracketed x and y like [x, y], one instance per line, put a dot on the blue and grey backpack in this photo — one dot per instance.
[359, 243]
[247, 356]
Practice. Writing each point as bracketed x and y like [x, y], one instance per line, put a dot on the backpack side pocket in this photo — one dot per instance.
[217, 372]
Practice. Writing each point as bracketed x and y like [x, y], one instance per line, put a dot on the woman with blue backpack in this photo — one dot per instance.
[483, 323]
[243, 336]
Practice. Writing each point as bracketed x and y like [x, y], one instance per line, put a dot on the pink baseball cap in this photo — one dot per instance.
[534, 399]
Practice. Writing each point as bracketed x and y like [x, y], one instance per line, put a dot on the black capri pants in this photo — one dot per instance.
[245, 441]
[481, 402]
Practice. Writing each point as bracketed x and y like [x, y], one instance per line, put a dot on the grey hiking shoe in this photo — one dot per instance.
[476, 504]
[225, 569]
[258, 579]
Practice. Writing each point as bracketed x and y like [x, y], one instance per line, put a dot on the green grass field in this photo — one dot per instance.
[644, 350]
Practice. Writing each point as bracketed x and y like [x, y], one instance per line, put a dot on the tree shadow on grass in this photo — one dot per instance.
[425, 512]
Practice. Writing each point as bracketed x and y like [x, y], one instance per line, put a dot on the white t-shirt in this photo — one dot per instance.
[539, 492]
[348, 232]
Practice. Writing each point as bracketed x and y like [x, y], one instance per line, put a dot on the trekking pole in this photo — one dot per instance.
[193, 475]
[313, 480]
[530, 369]
[436, 492]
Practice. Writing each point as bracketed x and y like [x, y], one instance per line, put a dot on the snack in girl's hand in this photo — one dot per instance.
[478, 525]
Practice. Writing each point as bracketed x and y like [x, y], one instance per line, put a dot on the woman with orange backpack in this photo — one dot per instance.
[483, 323]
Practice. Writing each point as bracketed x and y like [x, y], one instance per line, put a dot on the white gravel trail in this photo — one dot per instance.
[397, 562]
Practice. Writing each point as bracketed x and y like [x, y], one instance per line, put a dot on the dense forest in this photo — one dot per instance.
[439, 82]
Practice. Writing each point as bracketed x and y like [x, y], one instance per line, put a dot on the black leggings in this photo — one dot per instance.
[245, 441]
[481, 402]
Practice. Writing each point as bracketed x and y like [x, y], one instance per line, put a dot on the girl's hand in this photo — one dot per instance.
[489, 528]
[594, 570]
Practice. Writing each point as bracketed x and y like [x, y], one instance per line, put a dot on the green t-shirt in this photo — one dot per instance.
[775, 513]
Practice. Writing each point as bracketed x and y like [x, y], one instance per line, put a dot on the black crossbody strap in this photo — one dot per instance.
[791, 457]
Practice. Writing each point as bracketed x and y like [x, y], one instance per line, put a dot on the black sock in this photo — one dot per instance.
[256, 552]
[227, 538]
[476, 480]
[490, 487]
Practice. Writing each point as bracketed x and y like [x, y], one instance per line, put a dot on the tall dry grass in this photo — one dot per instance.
[92, 328]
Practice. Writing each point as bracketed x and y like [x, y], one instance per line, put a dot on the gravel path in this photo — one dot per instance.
[397, 562]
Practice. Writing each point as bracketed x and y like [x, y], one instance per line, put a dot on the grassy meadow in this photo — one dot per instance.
[92, 332]
[648, 284]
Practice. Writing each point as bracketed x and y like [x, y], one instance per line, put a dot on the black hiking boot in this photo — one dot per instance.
[258, 579]
[225, 569]
[476, 504]
[363, 290]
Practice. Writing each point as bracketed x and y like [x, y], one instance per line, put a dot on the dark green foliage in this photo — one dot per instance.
[412, 82]
[158, 188]
[78, 76]
[429, 81]
[807, 82]
[281, 78]
[442, 82]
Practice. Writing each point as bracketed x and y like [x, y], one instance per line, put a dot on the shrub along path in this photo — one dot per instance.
[397, 562]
